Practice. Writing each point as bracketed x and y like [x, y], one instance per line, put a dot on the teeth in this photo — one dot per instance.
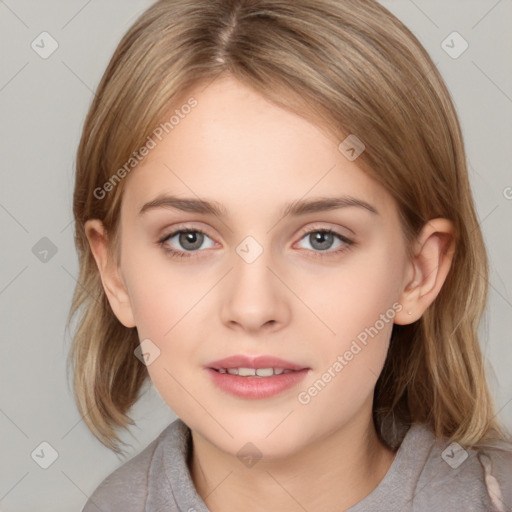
[264, 372]
[246, 372]
[253, 372]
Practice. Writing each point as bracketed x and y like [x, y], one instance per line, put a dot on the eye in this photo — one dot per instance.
[188, 240]
[186, 243]
[321, 240]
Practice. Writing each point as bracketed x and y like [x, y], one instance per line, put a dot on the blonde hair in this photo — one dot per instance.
[354, 68]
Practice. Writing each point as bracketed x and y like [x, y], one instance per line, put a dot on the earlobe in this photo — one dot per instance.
[113, 284]
[428, 269]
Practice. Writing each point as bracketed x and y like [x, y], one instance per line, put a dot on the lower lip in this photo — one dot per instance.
[256, 387]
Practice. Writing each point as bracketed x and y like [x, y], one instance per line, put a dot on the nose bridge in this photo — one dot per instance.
[252, 276]
[255, 296]
[250, 249]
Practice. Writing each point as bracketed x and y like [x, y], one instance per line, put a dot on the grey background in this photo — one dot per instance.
[43, 104]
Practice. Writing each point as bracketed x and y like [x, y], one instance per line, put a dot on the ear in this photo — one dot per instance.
[111, 278]
[427, 271]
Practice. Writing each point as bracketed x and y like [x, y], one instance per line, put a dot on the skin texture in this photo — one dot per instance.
[253, 157]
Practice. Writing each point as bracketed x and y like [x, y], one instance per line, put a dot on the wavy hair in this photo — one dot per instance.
[353, 68]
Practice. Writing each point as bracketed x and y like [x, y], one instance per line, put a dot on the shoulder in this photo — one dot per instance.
[127, 487]
[454, 478]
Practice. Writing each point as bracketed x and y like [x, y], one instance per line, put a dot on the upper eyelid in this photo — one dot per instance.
[175, 231]
[335, 230]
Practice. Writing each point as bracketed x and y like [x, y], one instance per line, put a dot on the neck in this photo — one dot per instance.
[330, 474]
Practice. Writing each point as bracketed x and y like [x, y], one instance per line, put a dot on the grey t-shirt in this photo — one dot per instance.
[427, 474]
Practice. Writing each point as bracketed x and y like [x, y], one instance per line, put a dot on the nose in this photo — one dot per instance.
[254, 298]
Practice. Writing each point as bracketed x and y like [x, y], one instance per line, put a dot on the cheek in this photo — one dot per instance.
[163, 306]
[360, 307]
[153, 308]
[353, 296]
[345, 378]
[160, 291]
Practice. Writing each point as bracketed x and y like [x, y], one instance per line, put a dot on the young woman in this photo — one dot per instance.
[275, 225]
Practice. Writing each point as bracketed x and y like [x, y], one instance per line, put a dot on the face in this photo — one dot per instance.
[316, 288]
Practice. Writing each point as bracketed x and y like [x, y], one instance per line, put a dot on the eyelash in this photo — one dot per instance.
[173, 253]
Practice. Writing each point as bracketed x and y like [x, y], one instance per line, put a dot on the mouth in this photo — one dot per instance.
[255, 377]
[253, 372]
[251, 366]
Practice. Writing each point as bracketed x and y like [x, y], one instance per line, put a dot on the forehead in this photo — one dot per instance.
[239, 148]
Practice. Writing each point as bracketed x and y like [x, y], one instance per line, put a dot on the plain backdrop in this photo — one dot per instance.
[43, 104]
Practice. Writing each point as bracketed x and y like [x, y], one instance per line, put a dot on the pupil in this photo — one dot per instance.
[195, 239]
[324, 240]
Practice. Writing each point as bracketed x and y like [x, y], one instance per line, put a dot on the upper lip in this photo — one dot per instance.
[241, 361]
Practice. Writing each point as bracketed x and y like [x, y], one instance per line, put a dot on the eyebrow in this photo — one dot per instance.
[295, 208]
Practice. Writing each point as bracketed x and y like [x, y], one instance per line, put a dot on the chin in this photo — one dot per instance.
[266, 436]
